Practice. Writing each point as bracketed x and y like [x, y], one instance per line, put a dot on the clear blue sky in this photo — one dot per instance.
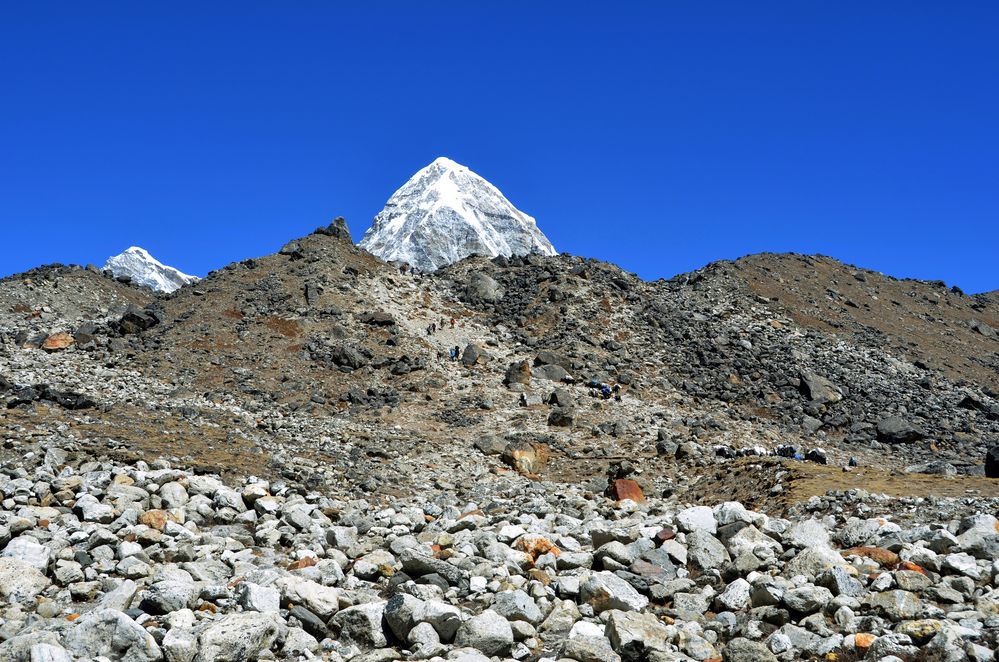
[659, 135]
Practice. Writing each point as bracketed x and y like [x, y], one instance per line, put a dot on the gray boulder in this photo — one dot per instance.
[897, 430]
[173, 495]
[362, 625]
[19, 648]
[481, 288]
[807, 599]
[20, 581]
[605, 590]
[112, 634]
[704, 551]
[49, 652]
[839, 580]
[517, 606]
[741, 649]
[240, 637]
[169, 595]
[424, 641]
[735, 596]
[818, 389]
[488, 632]
[590, 649]
[807, 533]
[445, 618]
[633, 635]
[812, 561]
[697, 518]
[554, 373]
[896, 605]
[401, 614]
[690, 606]
[299, 643]
[254, 597]
[121, 596]
[936, 468]
[28, 550]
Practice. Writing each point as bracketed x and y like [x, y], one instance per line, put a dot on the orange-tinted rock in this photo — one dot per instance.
[527, 458]
[864, 640]
[57, 341]
[625, 488]
[909, 565]
[540, 575]
[304, 562]
[883, 557]
[535, 546]
[155, 519]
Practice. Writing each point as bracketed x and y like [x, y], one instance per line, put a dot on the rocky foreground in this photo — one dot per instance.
[149, 562]
[289, 460]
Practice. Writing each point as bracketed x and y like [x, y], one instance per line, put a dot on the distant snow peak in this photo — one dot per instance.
[445, 213]
[143, 269]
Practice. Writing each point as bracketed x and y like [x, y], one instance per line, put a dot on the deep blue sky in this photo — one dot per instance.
[658, 135]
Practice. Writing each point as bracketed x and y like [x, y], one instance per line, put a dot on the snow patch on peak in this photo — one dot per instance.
[142, 252]
[143, 269]
[445, 213]
[444, 163]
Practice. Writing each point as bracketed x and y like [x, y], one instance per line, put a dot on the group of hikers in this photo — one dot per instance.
[604, 391]
[433, 326]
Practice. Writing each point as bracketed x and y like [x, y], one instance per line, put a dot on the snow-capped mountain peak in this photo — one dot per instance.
[143, 269]
[446, 212]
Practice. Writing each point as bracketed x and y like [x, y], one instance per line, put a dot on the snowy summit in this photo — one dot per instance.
[143, 269]
[445, 213]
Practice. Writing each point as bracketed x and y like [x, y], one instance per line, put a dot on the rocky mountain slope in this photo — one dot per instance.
[924, 322]
[446, 213]
[60, 297]
[137, 265]
[284, 460]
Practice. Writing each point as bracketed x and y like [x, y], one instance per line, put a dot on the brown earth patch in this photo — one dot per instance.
[749, 480]
[287, 328]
